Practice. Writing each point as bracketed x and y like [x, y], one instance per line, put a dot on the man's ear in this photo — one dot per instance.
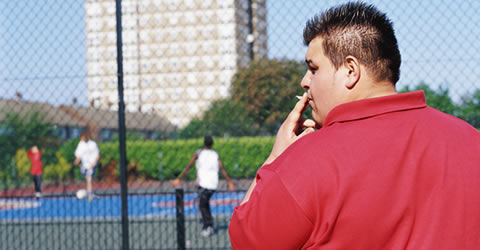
[352, 67]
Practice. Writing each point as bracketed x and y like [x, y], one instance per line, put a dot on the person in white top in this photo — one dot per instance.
[207, 163]
[88, 154]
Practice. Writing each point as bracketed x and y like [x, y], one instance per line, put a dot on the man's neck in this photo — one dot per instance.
[372, 89]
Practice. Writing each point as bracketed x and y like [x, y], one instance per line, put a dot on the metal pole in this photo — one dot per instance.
[251, 37]
[121, 129]
[180, 219]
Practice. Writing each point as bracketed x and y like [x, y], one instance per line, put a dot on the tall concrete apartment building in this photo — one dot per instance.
[179, 55]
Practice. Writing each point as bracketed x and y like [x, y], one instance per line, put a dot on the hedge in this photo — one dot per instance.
[164, 160]
[158, 160]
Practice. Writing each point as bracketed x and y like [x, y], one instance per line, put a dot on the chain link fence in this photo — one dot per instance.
[186, 69]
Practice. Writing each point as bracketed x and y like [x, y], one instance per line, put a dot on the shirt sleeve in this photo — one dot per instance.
[271, 219]
[79, 151]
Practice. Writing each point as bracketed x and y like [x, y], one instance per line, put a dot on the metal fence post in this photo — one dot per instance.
[122, 129]
[180, 219]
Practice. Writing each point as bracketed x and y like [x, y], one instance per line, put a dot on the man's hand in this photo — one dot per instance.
[175, 182]
[292, 129]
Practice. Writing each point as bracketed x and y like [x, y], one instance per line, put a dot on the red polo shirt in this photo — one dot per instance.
[383, 173]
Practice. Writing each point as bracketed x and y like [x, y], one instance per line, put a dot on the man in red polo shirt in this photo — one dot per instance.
[373, 169]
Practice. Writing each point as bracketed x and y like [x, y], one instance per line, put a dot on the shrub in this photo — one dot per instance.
[22, 165]
[58, 171]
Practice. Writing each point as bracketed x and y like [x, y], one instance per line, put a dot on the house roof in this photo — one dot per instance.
[109, 119]
[51, 114]
[64, 115]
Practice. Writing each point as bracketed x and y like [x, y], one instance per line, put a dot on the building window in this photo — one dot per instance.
[176, 93]
[192, 93]
[109, 7]
[190, 17]
[113, 97]
[94, 40]
[128, 52]
[159, 35]
[207, 17]
[207, 3]
[75, 132]
[209, 92]
[143, 20]
[192, 80]
[112, 67]
[143, 7]
[146, 66]
[112, 51]
[128, 7]
[147, 108]
[93, 53]
[173, 34]
[106, 134]
[161, 94]
[112, 84]
[173, 19]
[172, 4]
[111, 37]
[207, 48]
[190, 4]
[225, 4]
[146, 95]
[144, 51]
[144, 36]
[146, 82]
[130, 36]
[160, 65]
[94, 9]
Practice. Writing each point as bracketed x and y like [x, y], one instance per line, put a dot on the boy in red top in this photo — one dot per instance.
[36, 162]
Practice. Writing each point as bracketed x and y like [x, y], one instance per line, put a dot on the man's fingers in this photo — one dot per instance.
[306, 132]
[300, 106]
[309, 123]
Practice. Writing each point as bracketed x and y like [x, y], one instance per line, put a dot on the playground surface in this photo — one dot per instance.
[65, 222]
[109, 206]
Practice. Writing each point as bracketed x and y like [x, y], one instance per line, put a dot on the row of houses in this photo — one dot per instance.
[70, 120]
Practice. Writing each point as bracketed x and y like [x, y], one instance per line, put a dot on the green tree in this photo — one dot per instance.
[261, 97]
[267, 89]
[470, 109]
[223, 118]
[438, 99]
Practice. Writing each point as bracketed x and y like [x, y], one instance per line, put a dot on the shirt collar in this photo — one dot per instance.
[365, 108]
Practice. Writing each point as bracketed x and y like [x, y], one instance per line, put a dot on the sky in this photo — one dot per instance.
[42, 50]
[42, 43]
[438, 39]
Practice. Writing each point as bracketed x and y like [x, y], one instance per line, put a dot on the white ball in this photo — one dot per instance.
[82, 193]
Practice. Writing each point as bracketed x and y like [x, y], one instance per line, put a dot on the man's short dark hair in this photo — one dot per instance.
[359, 30]
[208, 141]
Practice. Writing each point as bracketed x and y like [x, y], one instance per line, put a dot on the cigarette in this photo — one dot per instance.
[299, 97]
